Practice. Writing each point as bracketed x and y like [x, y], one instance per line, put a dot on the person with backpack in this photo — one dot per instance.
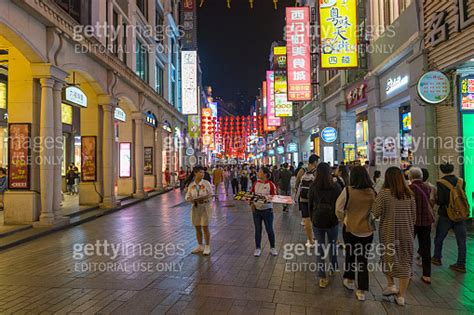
[323, 194]
[353, 208]
[453, 212]
[304, 180]
[424, 220]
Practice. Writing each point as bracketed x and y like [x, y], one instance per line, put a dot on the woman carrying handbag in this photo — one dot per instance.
[353, 209]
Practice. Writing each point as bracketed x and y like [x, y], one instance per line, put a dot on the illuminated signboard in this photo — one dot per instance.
[3, 95]
[329, 134]
[189, 86]
[125, 161]
[279, 58]
[292, 147]
[434, 87]
[66, 114]
[283, 108]
[338, 34]
[406, 121]
[150, 119]
[280, 150]
[193, 126]
[467, 93]
[73, 95]
[272, 120]
[298, 53]
[207, 126]
[396, 83]
[119, 114]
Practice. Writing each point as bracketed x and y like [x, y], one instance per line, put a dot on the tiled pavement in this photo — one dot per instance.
[44, 276]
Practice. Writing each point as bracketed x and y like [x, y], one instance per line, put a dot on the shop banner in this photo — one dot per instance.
[194, 128]
[189, 84]
[338, 34]
[434, 87]
[19, 156]
[279, 58]
[298, 53]
[272, 120]
[467, 93]
[283, 108]
[148, 160]
[89, 158]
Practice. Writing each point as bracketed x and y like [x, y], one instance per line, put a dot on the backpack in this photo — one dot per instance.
[323, 215]
[306, 180]
[458, 207]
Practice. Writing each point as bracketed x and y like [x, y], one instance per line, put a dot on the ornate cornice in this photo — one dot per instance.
[51, 12]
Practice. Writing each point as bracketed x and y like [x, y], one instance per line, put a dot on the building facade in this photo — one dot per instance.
[95, 84]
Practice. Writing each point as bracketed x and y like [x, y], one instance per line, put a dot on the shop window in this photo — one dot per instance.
[159, 73]
[142, 61]
[124, 43]
[114, 38]
[159, 23]
[79, 10]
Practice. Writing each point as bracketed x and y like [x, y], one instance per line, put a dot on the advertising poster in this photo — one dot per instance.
[89, 158]
[467, 93]
[19, 156]
[283, 108]
[298, 54]
[148, 160]
[338, 34]
[125, 159]
[193, 126]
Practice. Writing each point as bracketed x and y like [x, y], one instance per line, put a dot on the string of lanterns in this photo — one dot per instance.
[251, 3]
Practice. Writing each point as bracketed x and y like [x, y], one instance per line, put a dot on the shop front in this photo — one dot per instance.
[150, 124]
[3, 111]
[356, 151]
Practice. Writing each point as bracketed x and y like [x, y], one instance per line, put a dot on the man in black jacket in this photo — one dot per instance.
[445, 224]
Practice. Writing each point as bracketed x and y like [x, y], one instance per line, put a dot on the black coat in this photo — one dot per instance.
[322, 206]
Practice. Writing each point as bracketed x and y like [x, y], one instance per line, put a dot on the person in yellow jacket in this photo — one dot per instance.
[217, 177]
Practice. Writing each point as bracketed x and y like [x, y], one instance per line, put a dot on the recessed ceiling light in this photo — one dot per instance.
[472, 59]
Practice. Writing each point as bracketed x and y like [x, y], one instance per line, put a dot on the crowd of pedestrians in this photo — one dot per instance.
[400, 205]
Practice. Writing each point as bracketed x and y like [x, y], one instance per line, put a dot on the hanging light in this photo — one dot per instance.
[275, 3]
[201, 3]
[251, 4]
[228, 4]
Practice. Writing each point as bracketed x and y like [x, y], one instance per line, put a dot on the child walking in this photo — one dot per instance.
[262, 211]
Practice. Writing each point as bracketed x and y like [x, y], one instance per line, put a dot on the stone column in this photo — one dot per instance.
[108, 105]
[46, 154]
[159, 157]
[58, 151]
[139, 159]
[172, 151]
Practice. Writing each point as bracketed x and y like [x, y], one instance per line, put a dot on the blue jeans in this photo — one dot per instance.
[326, 247]
[267, 217]
[442, 229]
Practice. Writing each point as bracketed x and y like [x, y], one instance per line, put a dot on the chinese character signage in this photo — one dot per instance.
[19, 156]
[189, 82]
[283, 108]
[434, 87]
[272, 120]
[66, 114]
[89, 158]
[73, 95]
[338, 34]
[148, 160]
[125, 159]
[467, 93]
[356, 95]
[298, 54]
[189, 24]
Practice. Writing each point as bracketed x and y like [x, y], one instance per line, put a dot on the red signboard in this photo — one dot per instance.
[89, 158]
[356, 95]
[272, 119]
[19, 156]
[298, 53]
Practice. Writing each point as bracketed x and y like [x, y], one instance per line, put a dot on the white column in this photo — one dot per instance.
[139, 163]
[58, 152]
[172, 158]
[159, 157]
[108, 105]
[47, 151]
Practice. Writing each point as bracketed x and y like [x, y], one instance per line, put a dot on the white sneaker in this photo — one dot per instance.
[257, 252]
[207, 250]
[360, 295]
[400, 300]
[392, 290]
[273, 252]
[197, 250]
[349, 284]
[310, 245]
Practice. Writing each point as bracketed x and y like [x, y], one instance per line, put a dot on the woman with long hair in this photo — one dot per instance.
[342, 176]
[323, 194]
[395, 206]
[353, 209]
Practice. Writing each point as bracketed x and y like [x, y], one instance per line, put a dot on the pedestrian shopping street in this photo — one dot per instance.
[44, 277]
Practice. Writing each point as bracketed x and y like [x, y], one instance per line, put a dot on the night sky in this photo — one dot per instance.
[234, 44]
